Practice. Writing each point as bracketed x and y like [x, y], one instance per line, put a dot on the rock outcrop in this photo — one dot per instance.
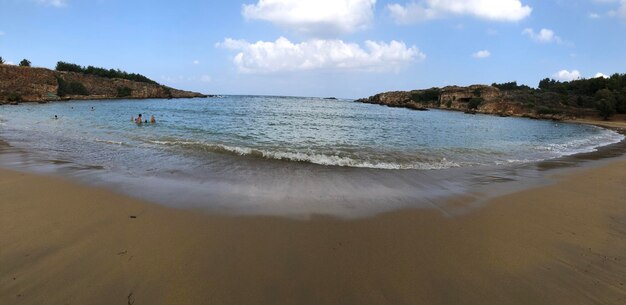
[480, 99]
[26, 84]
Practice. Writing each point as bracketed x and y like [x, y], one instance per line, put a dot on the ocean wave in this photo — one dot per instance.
[314, 158]
[110, 142]
[586, 145]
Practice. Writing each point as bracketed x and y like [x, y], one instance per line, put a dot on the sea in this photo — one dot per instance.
[289, 156]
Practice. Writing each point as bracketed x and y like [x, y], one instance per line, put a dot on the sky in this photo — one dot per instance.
[322, 48]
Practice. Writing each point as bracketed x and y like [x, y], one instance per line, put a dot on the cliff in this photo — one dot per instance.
[485, 99]
[26, 84]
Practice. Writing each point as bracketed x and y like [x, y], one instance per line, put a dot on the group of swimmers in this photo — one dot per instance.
[139, 120]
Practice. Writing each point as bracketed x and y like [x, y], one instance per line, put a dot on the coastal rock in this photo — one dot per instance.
[40, 85]
[481, 99]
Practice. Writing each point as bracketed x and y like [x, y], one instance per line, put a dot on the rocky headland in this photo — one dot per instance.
[27, 84]
[520, 102]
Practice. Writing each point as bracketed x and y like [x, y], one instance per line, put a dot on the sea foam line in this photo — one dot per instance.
[321, 159]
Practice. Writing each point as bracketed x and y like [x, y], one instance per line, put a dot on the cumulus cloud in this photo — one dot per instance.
[314, 17]
[283, 55]
[565, 75]
[481, 54]
[543, 36]
[495, 10]
[600, 75]
[55, 3]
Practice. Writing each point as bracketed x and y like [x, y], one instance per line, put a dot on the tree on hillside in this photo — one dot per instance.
[605, 103]
[1, 61]
[25, 63]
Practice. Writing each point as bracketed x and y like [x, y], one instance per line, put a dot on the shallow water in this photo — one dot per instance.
[283, 155]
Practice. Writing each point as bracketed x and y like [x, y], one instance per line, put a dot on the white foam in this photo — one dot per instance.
[590, 144]
[109, 142]
[321, 159]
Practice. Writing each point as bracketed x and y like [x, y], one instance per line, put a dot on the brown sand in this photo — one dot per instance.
[617, 121]
[561, 244]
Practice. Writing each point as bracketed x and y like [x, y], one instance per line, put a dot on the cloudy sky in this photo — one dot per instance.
[343, 48]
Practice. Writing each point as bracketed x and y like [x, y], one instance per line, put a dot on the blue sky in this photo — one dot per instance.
[343, 48]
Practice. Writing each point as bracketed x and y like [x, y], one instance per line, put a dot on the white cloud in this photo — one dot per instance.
[495, 10]
[567, 76]
[55, 3]
[314, 17]
[594, 15]
[620, 11]
[1, 33]
[282, 55]
[481, 54]
[543, 36]
[598, 75]
[196, 62]
[205, 78]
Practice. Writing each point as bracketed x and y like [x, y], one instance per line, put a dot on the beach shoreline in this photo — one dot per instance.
[558, 244]
[561, 241]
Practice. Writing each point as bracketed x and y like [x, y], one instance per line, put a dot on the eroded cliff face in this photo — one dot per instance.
[40, 85]
[472, 99]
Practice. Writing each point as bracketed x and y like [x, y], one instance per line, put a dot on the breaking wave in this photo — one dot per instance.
[314, 158]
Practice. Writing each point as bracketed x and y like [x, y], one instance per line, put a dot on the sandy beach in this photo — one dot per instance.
[64, 243]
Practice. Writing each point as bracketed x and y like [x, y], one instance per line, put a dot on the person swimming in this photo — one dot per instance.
[152, 119]
[139, 120]
[56, 117]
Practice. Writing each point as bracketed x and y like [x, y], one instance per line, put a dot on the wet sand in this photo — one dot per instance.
[565, 243]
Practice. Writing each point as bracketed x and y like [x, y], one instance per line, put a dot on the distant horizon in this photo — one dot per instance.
[343, 48]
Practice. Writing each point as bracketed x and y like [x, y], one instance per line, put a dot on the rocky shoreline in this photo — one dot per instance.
[26, 84]
[482, 99]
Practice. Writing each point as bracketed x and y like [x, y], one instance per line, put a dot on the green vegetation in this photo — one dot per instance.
[509, 86]
[449, 103]
[168, 92]
[102, 72]
[1, 61]
[547, 111]
[14, 97]
[605, 94]
[124, 92]
[605, 100]
[474, 103]
[426, 96]
[25, 63]
[72, 88]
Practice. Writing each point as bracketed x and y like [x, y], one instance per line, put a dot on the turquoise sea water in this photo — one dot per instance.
[326, 132]
[267, 150]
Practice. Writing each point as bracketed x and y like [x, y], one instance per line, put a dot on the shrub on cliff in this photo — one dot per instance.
[509, 86]
[1, 61]
[64, 66]
[102, 72]
[77, 88]
[474, 103]
[605, 103]
[425, 96]
[72, 88]
[124, 91]
[25, 63]
[14, 97]
[547, 111]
